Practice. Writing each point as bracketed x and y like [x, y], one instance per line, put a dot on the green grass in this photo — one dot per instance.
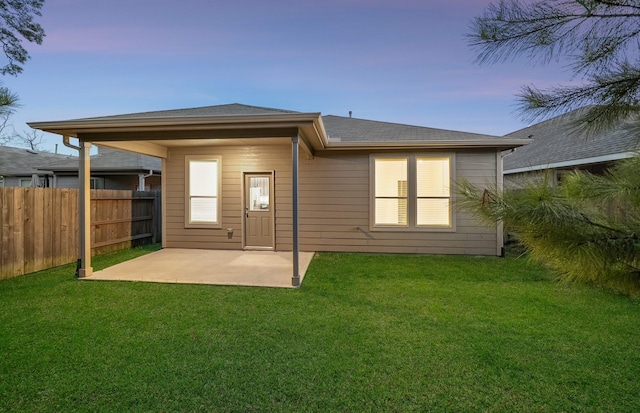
[364, 333]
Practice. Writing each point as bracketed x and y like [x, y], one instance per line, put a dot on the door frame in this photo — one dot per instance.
[272, 209]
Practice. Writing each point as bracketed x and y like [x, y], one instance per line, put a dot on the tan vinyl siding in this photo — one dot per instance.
[334, 203]
[235, 160]
[334, 209]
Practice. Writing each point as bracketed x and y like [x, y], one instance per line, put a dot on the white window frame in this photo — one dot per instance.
[412, 198]
[187, 206]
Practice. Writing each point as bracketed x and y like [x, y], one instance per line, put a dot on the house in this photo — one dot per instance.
[557, 148]
[110, 169]
[20, 167]
[245, 177]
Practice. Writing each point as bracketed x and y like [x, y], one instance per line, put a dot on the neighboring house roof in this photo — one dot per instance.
[556, 144]
[25, 162]
[111, 161]
[153, 130]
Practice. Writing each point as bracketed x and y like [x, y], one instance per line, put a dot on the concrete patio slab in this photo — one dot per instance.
[217, 267]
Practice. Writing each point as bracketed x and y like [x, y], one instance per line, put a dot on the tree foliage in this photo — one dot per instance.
[600, 39]
[17, 24]
[8, 105]
[588, 228]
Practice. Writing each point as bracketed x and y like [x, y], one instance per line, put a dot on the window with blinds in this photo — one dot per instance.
[202, 192]
[412, 192]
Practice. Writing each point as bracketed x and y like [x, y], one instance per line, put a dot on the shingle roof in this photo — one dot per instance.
[555, 141]
[341, 132]
[231, 109]
[359, 130]
[338, 128]
[24, 162]
[111, 160]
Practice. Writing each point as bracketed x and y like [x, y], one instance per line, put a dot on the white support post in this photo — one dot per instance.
[84, 208]
[295, 280]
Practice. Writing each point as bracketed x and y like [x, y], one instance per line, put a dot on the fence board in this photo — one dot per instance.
[39, 226]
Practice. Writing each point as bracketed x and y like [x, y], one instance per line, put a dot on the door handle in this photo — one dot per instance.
[246, 211]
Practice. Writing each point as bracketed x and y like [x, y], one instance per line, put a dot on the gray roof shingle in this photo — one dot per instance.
[24, 162]
[112, 160]
[555, 140]
[338, 128]
[359, 130]
[232, 109]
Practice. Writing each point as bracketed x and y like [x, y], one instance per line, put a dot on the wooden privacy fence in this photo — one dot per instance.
[39, 226]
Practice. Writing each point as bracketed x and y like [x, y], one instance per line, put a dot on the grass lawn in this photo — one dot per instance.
[364, 333]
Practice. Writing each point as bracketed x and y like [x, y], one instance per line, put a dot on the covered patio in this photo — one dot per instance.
[214, 267]
[162, 134]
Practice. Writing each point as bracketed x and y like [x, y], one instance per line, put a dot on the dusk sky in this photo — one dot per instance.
[404, 61]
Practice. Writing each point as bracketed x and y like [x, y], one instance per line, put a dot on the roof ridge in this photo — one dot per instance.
[161, 111]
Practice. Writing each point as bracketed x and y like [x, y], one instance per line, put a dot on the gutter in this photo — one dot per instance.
[574, 162]
[442, 144]
[195, 122]
[68, 144]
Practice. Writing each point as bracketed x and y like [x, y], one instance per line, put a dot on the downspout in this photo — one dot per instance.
[500, 187]
[83, 268]
[295, 280]
[141, 179]
[65, 141]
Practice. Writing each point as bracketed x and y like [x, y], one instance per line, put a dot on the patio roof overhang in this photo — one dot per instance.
[153, 136]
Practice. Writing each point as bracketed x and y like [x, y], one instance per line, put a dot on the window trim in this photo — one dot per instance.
[412, 198]
[96, 182]
[26, 181]
[187, 195]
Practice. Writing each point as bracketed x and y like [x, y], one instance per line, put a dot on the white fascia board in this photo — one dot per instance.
[573, 162]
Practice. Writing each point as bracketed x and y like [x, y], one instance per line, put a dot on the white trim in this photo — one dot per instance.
[574, 162]
[412, 197]
[187, 195]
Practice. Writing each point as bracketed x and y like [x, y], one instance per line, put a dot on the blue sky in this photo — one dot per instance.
[404, 61]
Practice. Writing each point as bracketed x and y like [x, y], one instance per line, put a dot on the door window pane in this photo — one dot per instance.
[259, 193]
